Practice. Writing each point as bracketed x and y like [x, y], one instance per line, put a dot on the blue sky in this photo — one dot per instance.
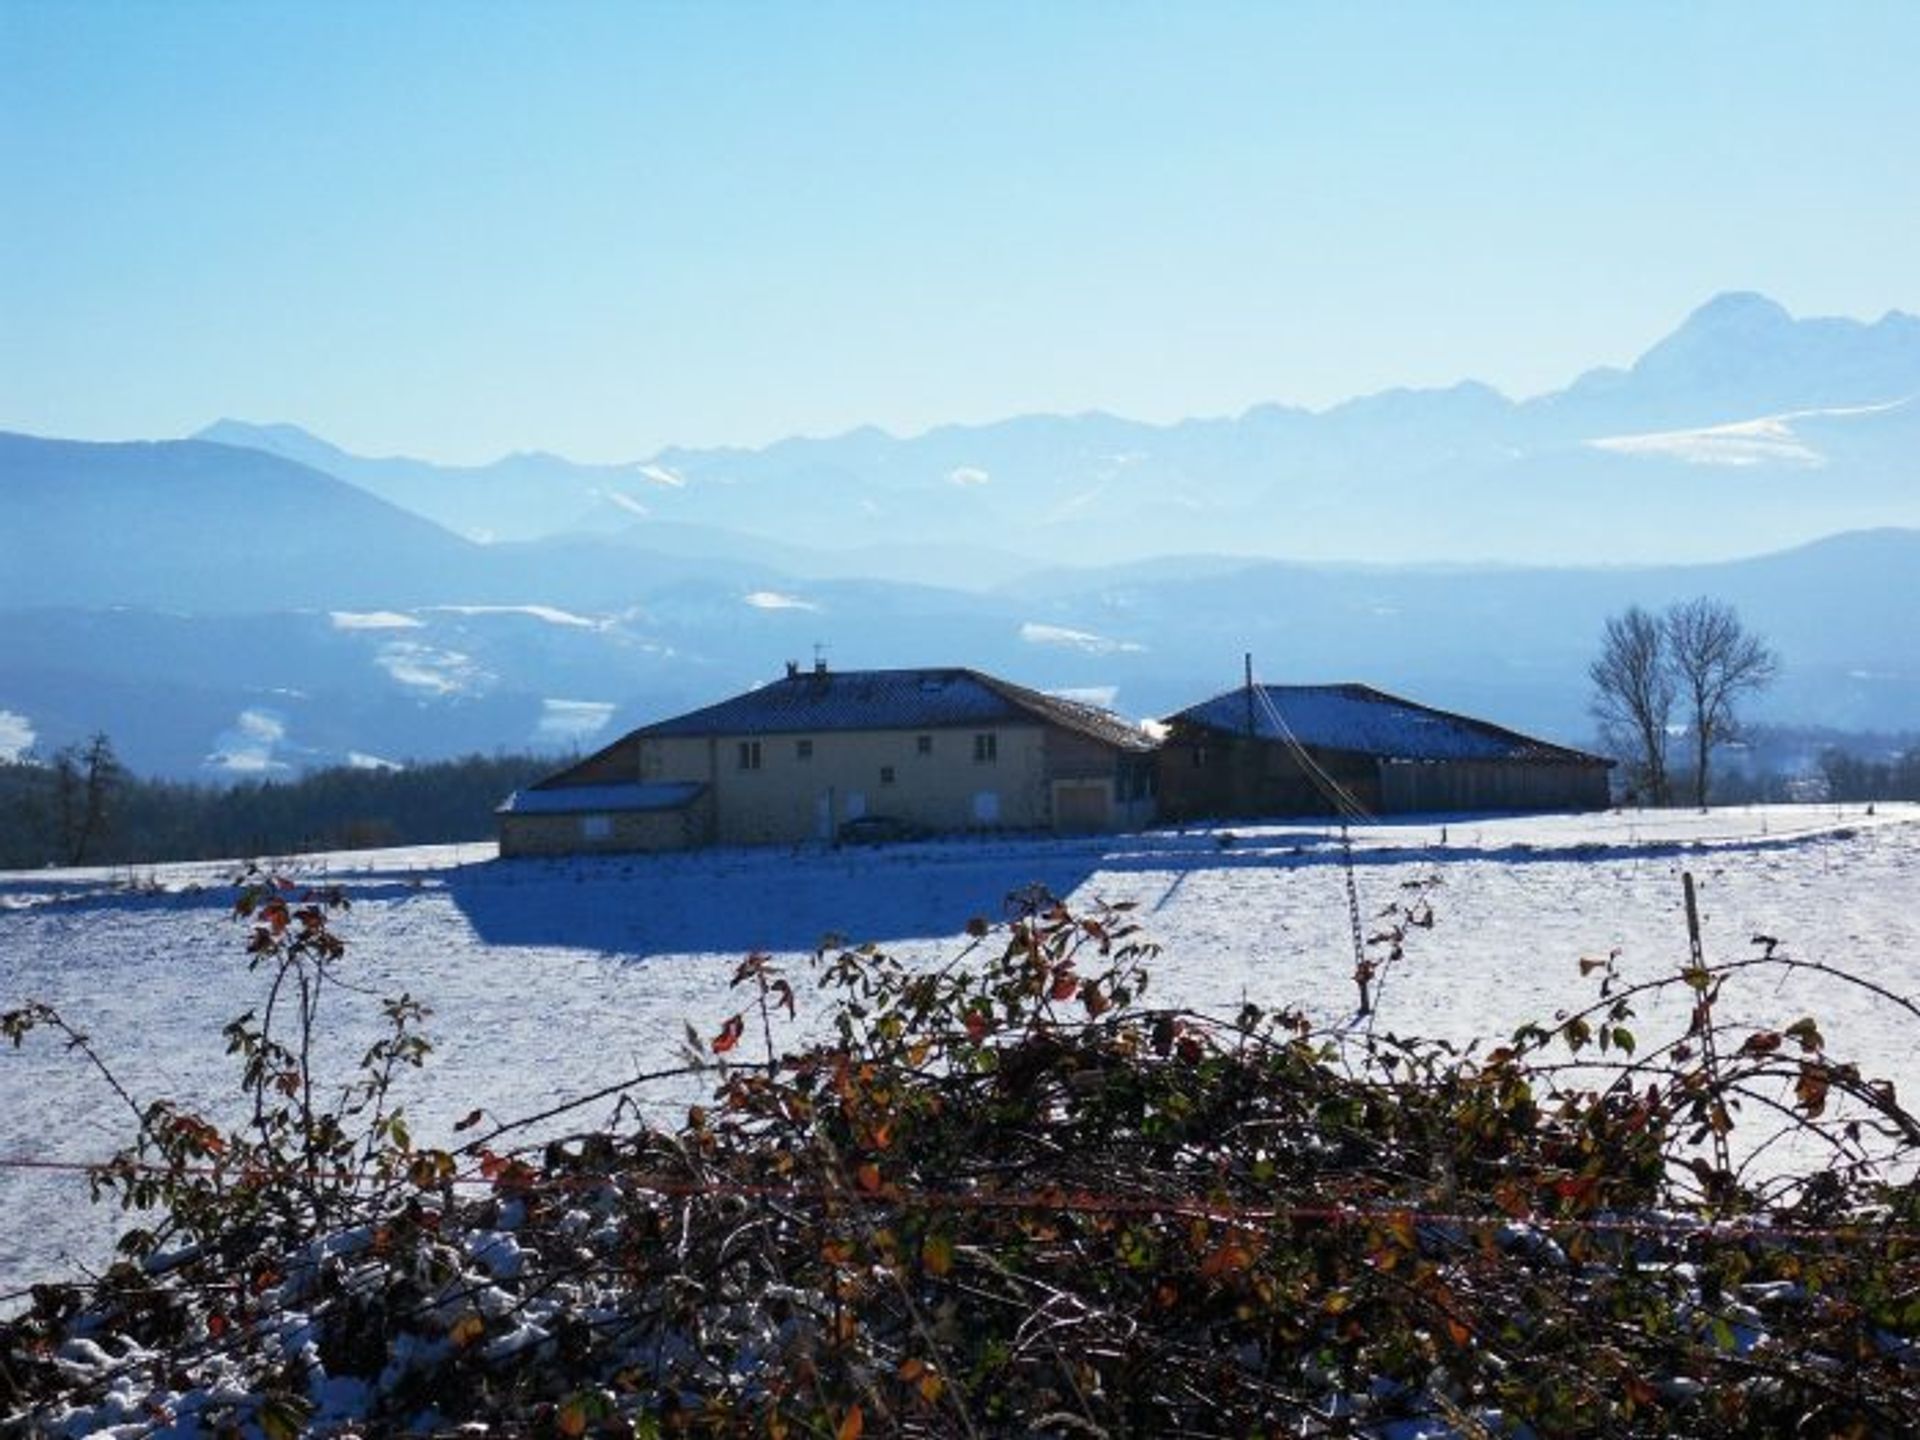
[457, 230]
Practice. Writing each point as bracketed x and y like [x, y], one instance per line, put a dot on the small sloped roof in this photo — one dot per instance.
[601, 799]
[1361, 719]
[814, 702]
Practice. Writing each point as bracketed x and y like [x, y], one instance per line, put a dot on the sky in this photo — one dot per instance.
[457, 230]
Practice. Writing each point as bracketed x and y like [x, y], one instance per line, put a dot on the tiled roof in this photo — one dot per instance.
[815, 702]
[601, 799]
[1088, 720]
[1367, 721]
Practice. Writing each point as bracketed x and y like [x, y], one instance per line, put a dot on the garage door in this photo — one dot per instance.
[1082, 805]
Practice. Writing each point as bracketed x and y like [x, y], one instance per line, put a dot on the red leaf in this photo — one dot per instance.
[729, 1035]
[1228, 1258]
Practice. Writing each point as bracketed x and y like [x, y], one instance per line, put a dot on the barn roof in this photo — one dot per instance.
[819, 701]
[601, 799]
[1361, 719]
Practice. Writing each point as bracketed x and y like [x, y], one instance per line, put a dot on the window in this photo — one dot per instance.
[886, 774]
[596, 827]
[749, 754]
[923, 745]
[986, 748]
[803, 749]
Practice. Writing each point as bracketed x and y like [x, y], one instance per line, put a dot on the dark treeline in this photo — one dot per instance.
[144, 820]
[1857, 777]
[1776, 763]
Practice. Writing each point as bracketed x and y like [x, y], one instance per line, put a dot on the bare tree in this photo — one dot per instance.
[85, 780]
[1633, 695]
[1715, 661]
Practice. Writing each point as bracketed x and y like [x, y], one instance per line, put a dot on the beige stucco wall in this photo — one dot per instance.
[789, 799]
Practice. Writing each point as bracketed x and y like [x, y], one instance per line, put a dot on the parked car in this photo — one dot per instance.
[877, 830]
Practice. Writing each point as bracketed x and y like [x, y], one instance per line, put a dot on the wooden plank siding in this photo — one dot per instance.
[1413, 787]
[1209, 775]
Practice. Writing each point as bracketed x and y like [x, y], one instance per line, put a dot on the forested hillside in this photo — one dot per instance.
[44, 820]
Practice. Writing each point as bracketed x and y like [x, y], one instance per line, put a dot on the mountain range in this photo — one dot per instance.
[254, 598]
[1708, 447]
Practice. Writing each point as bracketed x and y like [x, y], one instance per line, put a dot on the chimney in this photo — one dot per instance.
[793, 669]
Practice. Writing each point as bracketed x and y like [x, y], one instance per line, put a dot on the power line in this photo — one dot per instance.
[1347, 805]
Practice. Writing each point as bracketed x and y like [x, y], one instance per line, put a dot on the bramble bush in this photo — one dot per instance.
[1007, 1195]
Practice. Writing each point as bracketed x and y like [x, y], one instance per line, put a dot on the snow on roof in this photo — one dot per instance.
[814, 701]
[601, 799]
[1367, 721]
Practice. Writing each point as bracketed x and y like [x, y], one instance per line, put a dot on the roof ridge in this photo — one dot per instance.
[1096, 720]
[898, 697]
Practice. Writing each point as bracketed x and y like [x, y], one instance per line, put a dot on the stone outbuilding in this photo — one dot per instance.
[797, 760]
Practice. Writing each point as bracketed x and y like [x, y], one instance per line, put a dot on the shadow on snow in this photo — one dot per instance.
[740, 901]
[737, 901]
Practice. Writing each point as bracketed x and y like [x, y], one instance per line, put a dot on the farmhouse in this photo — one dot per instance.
[1310, 749]
[800, 758]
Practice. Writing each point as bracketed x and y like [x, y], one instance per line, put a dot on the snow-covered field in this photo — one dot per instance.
[549, 979]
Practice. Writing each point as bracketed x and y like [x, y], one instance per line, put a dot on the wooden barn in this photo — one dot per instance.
[1264, 750]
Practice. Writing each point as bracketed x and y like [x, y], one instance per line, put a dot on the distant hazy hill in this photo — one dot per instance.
[189, 693]
[196, 526]
[203, 527]
[518, 497]
[1513, 643]
[1744, 430]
